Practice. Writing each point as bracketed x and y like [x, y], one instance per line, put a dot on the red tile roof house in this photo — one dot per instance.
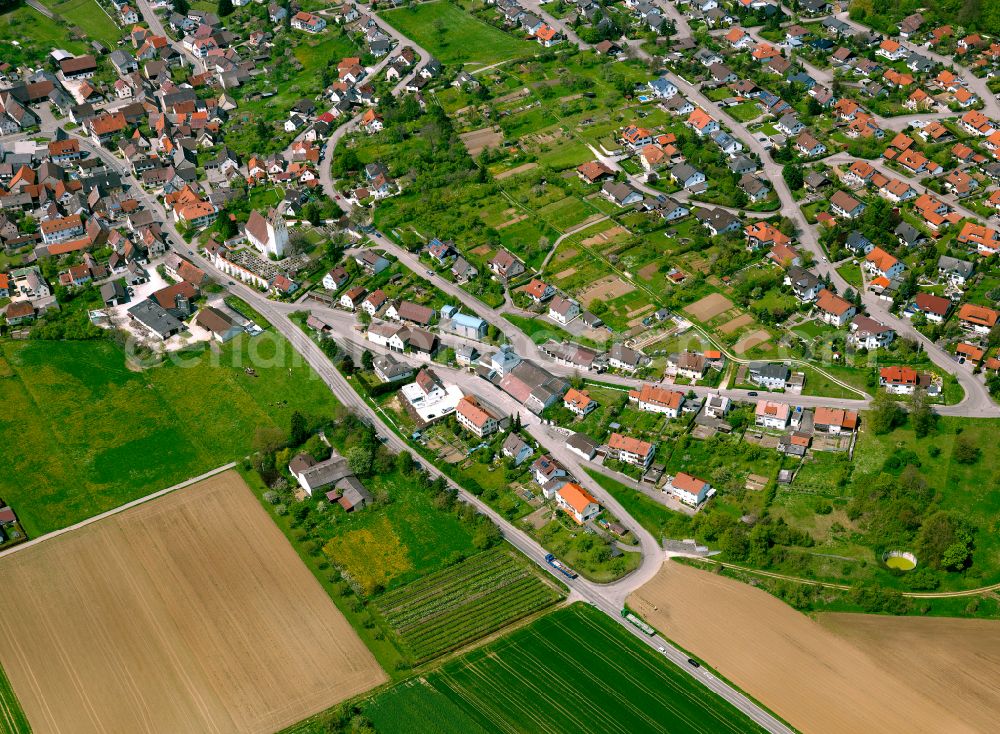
[978, 319]
[593, 172]
[353, 298]
[578, 402]
[833, 309]
[577, 502]
[308, 22]
[474, 417]
[629, 450]
[934, 308]
[899, 380]
[688, 489]
[835, 420]
[539, 291]
[653, 399]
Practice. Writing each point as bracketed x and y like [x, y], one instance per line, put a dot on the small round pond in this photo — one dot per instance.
[900, 560]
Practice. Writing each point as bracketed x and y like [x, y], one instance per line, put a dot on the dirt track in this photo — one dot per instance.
[191, 613]
[812, 678]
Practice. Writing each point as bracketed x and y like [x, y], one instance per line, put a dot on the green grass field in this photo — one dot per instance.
[83, 433]
[12, 718]
[575, 670]
[661, 521]
[35, 35]
[407, 540]
[457, 605]
[454, 36]
[89, 17]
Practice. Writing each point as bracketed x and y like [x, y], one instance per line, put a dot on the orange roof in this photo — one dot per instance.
[469, 408]
[536, 288]
[830, 302]
[881, 259]
[629, 444]
[576, 496]
[687, 483]
[546, 33]
[699, 118]
[579, 398]
[899, 375]
[835, 417]
[657, 396]
[970, 351]
[766, 233]
[979, 315]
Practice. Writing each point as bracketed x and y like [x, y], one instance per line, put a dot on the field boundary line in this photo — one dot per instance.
[116, 510]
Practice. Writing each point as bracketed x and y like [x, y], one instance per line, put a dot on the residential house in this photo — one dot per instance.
[505, 266]
[577, 502]
[653, 399]
[770, 375]
[578, 402]
[899, 380]
[563, 310]
[472, 415]
[688, 489]
[833, 309]
[773, 415]
[629, 450]
[870, 334]
[514, 447]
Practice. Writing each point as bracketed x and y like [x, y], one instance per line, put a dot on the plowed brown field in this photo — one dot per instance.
[814, 679]
[191, 613]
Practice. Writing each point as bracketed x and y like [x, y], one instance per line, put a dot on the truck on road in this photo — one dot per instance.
[560, 566]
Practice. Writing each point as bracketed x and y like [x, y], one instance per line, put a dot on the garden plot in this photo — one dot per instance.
[755, 338]
[602, 238]
[709, 307]
[734, 325]
[453, 607]
[477, 140]
[523, 168]
[606, 289]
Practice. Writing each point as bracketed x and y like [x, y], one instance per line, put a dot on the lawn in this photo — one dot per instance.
[85, 433]
[454, 36]
[744, 112]
[851, 272]
[657, 519]
[403, 542]
[820, 385]
[969, 490]
[36, 36]
[89, 17]
[575, 670]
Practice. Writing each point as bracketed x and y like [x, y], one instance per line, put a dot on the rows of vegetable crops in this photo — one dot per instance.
[460, 604]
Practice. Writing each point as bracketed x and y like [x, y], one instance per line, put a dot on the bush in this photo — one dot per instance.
[281, 510]
[271, 497]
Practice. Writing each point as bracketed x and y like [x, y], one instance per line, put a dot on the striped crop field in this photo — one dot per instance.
[572, 671]
[457, 605]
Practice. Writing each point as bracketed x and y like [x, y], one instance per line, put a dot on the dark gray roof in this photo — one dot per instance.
[155, 317]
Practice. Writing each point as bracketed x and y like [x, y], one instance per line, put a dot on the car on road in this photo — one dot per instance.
[232, 282]
[694, 663]
[662, 649]
[751, 394]
[431, 273]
